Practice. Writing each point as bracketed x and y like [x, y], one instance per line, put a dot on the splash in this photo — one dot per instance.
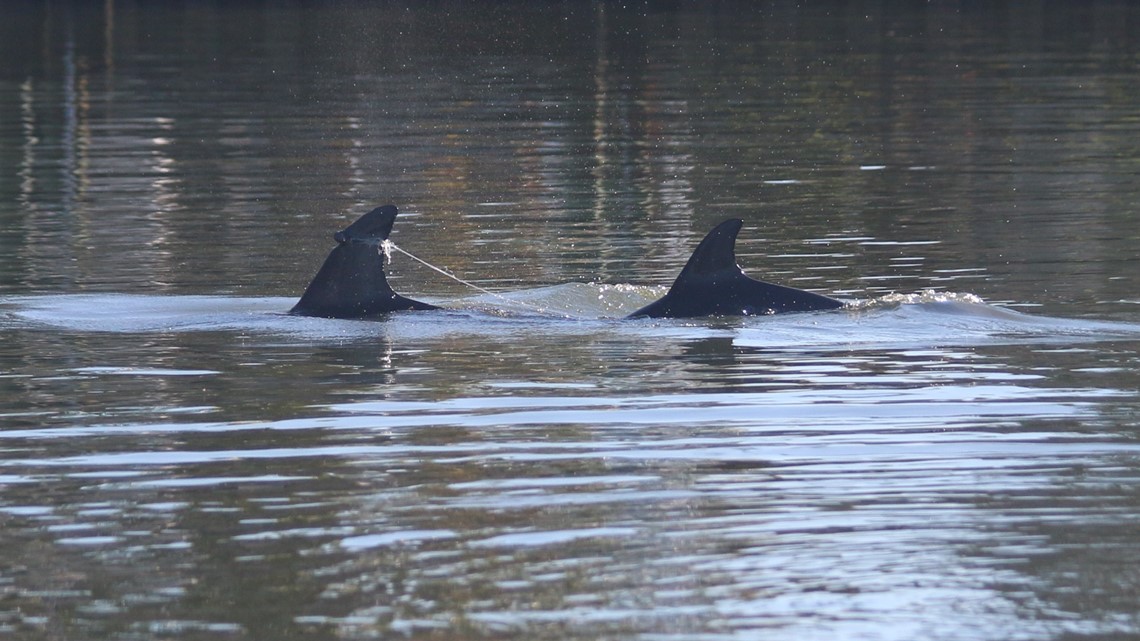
[924, 297]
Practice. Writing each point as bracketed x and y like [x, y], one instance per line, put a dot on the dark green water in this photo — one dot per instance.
[954, 457]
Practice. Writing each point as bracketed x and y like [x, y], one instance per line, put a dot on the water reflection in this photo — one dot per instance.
[604, 148]
[591, 525]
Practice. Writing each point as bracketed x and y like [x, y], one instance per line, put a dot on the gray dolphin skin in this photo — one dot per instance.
[712, 284]
[351, 283]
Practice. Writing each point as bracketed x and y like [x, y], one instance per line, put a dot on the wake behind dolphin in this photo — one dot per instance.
[352, 285]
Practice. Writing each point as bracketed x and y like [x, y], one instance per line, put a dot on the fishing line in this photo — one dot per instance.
[386, 247]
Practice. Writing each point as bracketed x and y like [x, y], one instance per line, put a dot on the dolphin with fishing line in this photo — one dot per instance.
[351, 283]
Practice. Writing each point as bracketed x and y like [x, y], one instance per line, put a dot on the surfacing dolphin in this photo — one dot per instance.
[712, 284]
[351, 283]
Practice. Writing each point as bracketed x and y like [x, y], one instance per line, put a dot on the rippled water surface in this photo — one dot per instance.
[953, 455]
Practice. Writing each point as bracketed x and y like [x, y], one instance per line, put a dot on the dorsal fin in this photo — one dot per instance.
[351, 282]
[717, 252]
[712, 284]
[371, 228]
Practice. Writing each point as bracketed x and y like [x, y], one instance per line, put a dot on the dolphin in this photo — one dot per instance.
[712, 284]
[351, 283]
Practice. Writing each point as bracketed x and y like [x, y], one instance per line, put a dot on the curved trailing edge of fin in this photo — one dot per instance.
[712, 284]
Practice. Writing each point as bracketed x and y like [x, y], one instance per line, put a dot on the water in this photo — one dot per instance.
[953, 456]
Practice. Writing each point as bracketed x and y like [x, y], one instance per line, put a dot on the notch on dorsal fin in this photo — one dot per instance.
[371, 228]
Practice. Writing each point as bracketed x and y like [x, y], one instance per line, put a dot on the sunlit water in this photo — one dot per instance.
[864, 471]
[951, 456]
